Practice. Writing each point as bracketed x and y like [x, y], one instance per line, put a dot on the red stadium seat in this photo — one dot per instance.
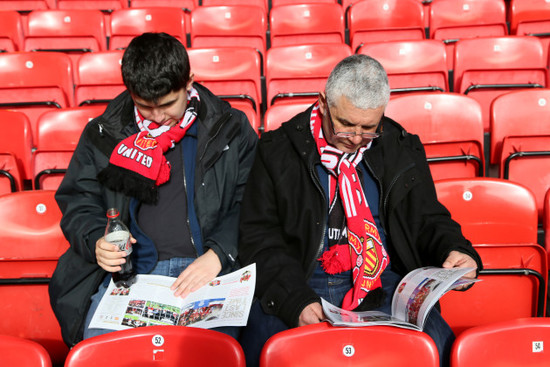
[186, 5]
[261, 3]
[98, 78]
[128, 23]
[103, 5]
[276, 114]
[31, 242]
[520, 139]
[58, 135]
[531, 18]
[302, 24]
[233, 74]
[34, 82]
[514, 281]
[325, 345]
[450, 128]
[16, 140]
[21, 352]
[385, 20]
[412, 66]
[299, 73]
[11, 32]
[451, 20]
[162, 346]
[70, 31]
[487, 67]
[26, 5]
[490, 210]
[518, 342]
[229, 26]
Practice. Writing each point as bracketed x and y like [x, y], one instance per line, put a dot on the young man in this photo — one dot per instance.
[340, 204]
[179, 193]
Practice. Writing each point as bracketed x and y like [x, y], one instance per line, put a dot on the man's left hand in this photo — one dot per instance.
[458, 259]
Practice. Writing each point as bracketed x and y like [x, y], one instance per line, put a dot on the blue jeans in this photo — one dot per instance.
[261, 326]
[172, 268]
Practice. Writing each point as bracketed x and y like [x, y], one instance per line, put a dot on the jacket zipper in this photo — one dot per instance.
[187, 216]
[321, 244]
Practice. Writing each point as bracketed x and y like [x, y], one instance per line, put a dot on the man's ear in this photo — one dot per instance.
[190, 82]
[322, 102]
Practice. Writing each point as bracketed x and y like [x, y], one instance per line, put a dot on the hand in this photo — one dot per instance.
[311, 314]
[458, 259]
[205, 268]
[109, 256]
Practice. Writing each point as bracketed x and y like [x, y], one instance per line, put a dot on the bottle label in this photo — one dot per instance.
[121, 239]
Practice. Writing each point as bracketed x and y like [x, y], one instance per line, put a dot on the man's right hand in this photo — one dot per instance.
[108, 256]
[312, 314]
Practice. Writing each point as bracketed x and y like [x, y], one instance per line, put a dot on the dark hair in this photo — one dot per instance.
[154, 65]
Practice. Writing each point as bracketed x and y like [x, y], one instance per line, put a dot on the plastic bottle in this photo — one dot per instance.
[118, 234]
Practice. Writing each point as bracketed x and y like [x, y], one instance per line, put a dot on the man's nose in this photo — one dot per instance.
[157, 115]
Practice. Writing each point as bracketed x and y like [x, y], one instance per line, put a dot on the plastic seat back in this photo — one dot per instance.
[161, 346]
[531, 18]
[71, 31]
[131, 22]
[299, 73]
[229, 26]
[98, 78]
[490, 210]
[16, 141]
[509, 269]
[233, 74]
[31, 242]
[103, 5]
[520, 139]
[349, 346]
[11, 32]
[21, 352]
[186, 5]
[487, 67]
[451, 20]
[519, 342]
[302, 24]
[450, 128]
[412, 66]
[385, 20]
[57, 140]
[26, 5]
[277, 114]
[34, 82]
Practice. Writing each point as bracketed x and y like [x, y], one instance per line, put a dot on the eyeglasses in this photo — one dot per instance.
[351, 134]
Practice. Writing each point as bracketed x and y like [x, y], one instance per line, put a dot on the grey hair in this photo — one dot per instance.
[362, 80]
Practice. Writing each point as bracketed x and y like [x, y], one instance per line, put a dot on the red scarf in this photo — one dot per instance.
[364, 252]
[137, 165]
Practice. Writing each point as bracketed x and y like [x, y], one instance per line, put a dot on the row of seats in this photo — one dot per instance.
[450, 126]
[498, 216]
[361, 22]
[515, 342]
[484, 68]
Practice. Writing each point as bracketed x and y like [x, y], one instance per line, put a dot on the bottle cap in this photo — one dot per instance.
[112, 213]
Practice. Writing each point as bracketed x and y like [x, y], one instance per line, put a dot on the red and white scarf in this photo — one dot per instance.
[364, 253]
[137, 165]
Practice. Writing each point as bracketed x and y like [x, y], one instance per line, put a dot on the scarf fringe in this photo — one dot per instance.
[130, 183]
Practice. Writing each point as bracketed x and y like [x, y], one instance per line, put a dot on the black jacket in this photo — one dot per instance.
[225, 151]
[284, 212]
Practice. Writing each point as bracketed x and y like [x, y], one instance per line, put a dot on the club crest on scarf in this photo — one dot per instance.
[364, 253]
[137, 165]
